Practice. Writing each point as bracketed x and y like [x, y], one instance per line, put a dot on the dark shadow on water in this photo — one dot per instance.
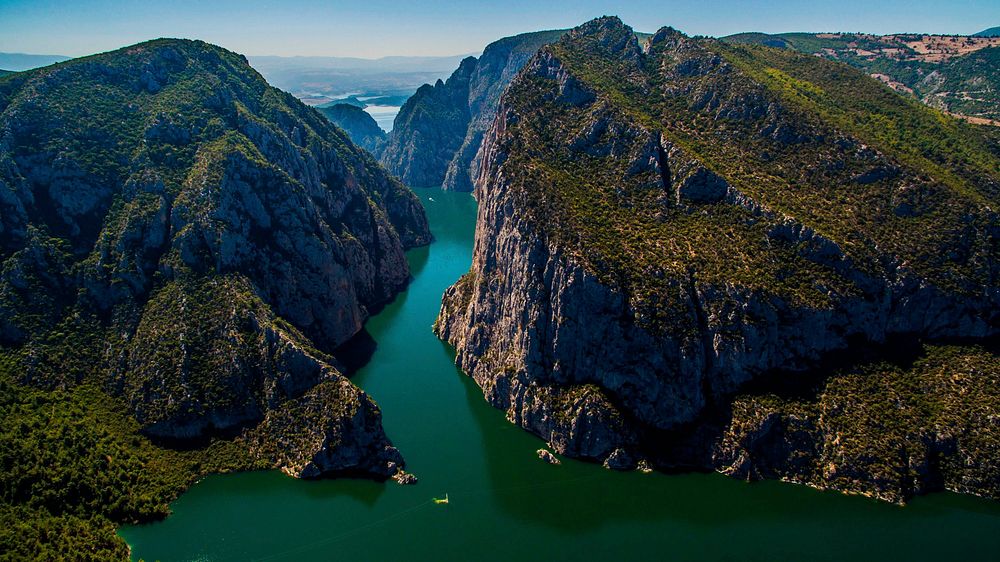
[356, 352]
[418, 258]
[362, 487]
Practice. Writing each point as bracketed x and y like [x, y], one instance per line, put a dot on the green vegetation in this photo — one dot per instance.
[805, 138]
[163, 203]
[74, 466]
[358, 124]
[964, 83]
[886, 429]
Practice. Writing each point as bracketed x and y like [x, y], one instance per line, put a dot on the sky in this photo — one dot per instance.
[375, 28]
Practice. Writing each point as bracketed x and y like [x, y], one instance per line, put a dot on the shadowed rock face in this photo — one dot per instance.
[358, 124]
[209, 233]
[429, 129]
[660, 226]
[437, 134]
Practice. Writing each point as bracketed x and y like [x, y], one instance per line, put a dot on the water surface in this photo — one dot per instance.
[383, 115]
[506, 504]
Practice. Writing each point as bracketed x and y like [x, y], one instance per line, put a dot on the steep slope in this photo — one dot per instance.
[429, 129]
[499, 63]
[968, 85]
[954, 73]
[5, 72]
[659, 227]
[438, 131]
[194, 245]
[883, 428]
[189, 178]
[358, 124]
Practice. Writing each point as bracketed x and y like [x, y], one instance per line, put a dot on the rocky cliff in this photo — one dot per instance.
[436, 136]
[429, 129]
[196, 242]
[661, 225]
[498, 65]
[918, 422]
[358, 124]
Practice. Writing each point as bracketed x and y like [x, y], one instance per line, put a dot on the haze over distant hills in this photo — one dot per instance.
[318, 80]
[17, 62]
[991, 32]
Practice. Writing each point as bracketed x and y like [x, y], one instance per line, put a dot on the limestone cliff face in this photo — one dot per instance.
[660, 226]
[495, 69]
[213, 230]
[437, 134]
[429, 129]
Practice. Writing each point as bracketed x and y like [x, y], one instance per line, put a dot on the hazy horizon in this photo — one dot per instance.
[379, 29]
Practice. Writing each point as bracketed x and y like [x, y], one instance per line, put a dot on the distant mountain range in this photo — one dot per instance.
[319, 80]
[16, 62]
[991, 32]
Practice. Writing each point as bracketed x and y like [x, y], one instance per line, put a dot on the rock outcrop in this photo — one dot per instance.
[883, 430]
[661, 225]
[358, 124]
[334, 428]
[429, 129]
[204, 240]
[437, 134]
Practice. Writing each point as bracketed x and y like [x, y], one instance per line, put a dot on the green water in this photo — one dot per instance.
[506, 503]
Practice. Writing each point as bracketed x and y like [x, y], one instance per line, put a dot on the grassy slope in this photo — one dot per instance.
[620, 227]
[968, 84]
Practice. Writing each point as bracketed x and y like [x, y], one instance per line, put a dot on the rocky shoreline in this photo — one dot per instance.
[603, 344]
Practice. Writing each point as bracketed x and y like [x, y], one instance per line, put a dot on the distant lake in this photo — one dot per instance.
[384, 115]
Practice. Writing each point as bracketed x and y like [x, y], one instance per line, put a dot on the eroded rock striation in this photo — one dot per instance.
[662, 224]
[204, 242]
[436, 137]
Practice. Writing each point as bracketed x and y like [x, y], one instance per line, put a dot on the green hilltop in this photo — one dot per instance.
[183, 247]
[806, 103]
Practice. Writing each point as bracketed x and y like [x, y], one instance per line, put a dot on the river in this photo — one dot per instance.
[505, 503]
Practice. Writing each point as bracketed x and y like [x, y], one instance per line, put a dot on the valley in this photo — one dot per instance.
[456, 443]
[587, 292]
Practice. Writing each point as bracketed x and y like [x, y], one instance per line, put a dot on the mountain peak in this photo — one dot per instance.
[608, 34]
[666, 34]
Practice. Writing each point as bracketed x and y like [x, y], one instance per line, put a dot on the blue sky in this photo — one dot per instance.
[373, 28]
